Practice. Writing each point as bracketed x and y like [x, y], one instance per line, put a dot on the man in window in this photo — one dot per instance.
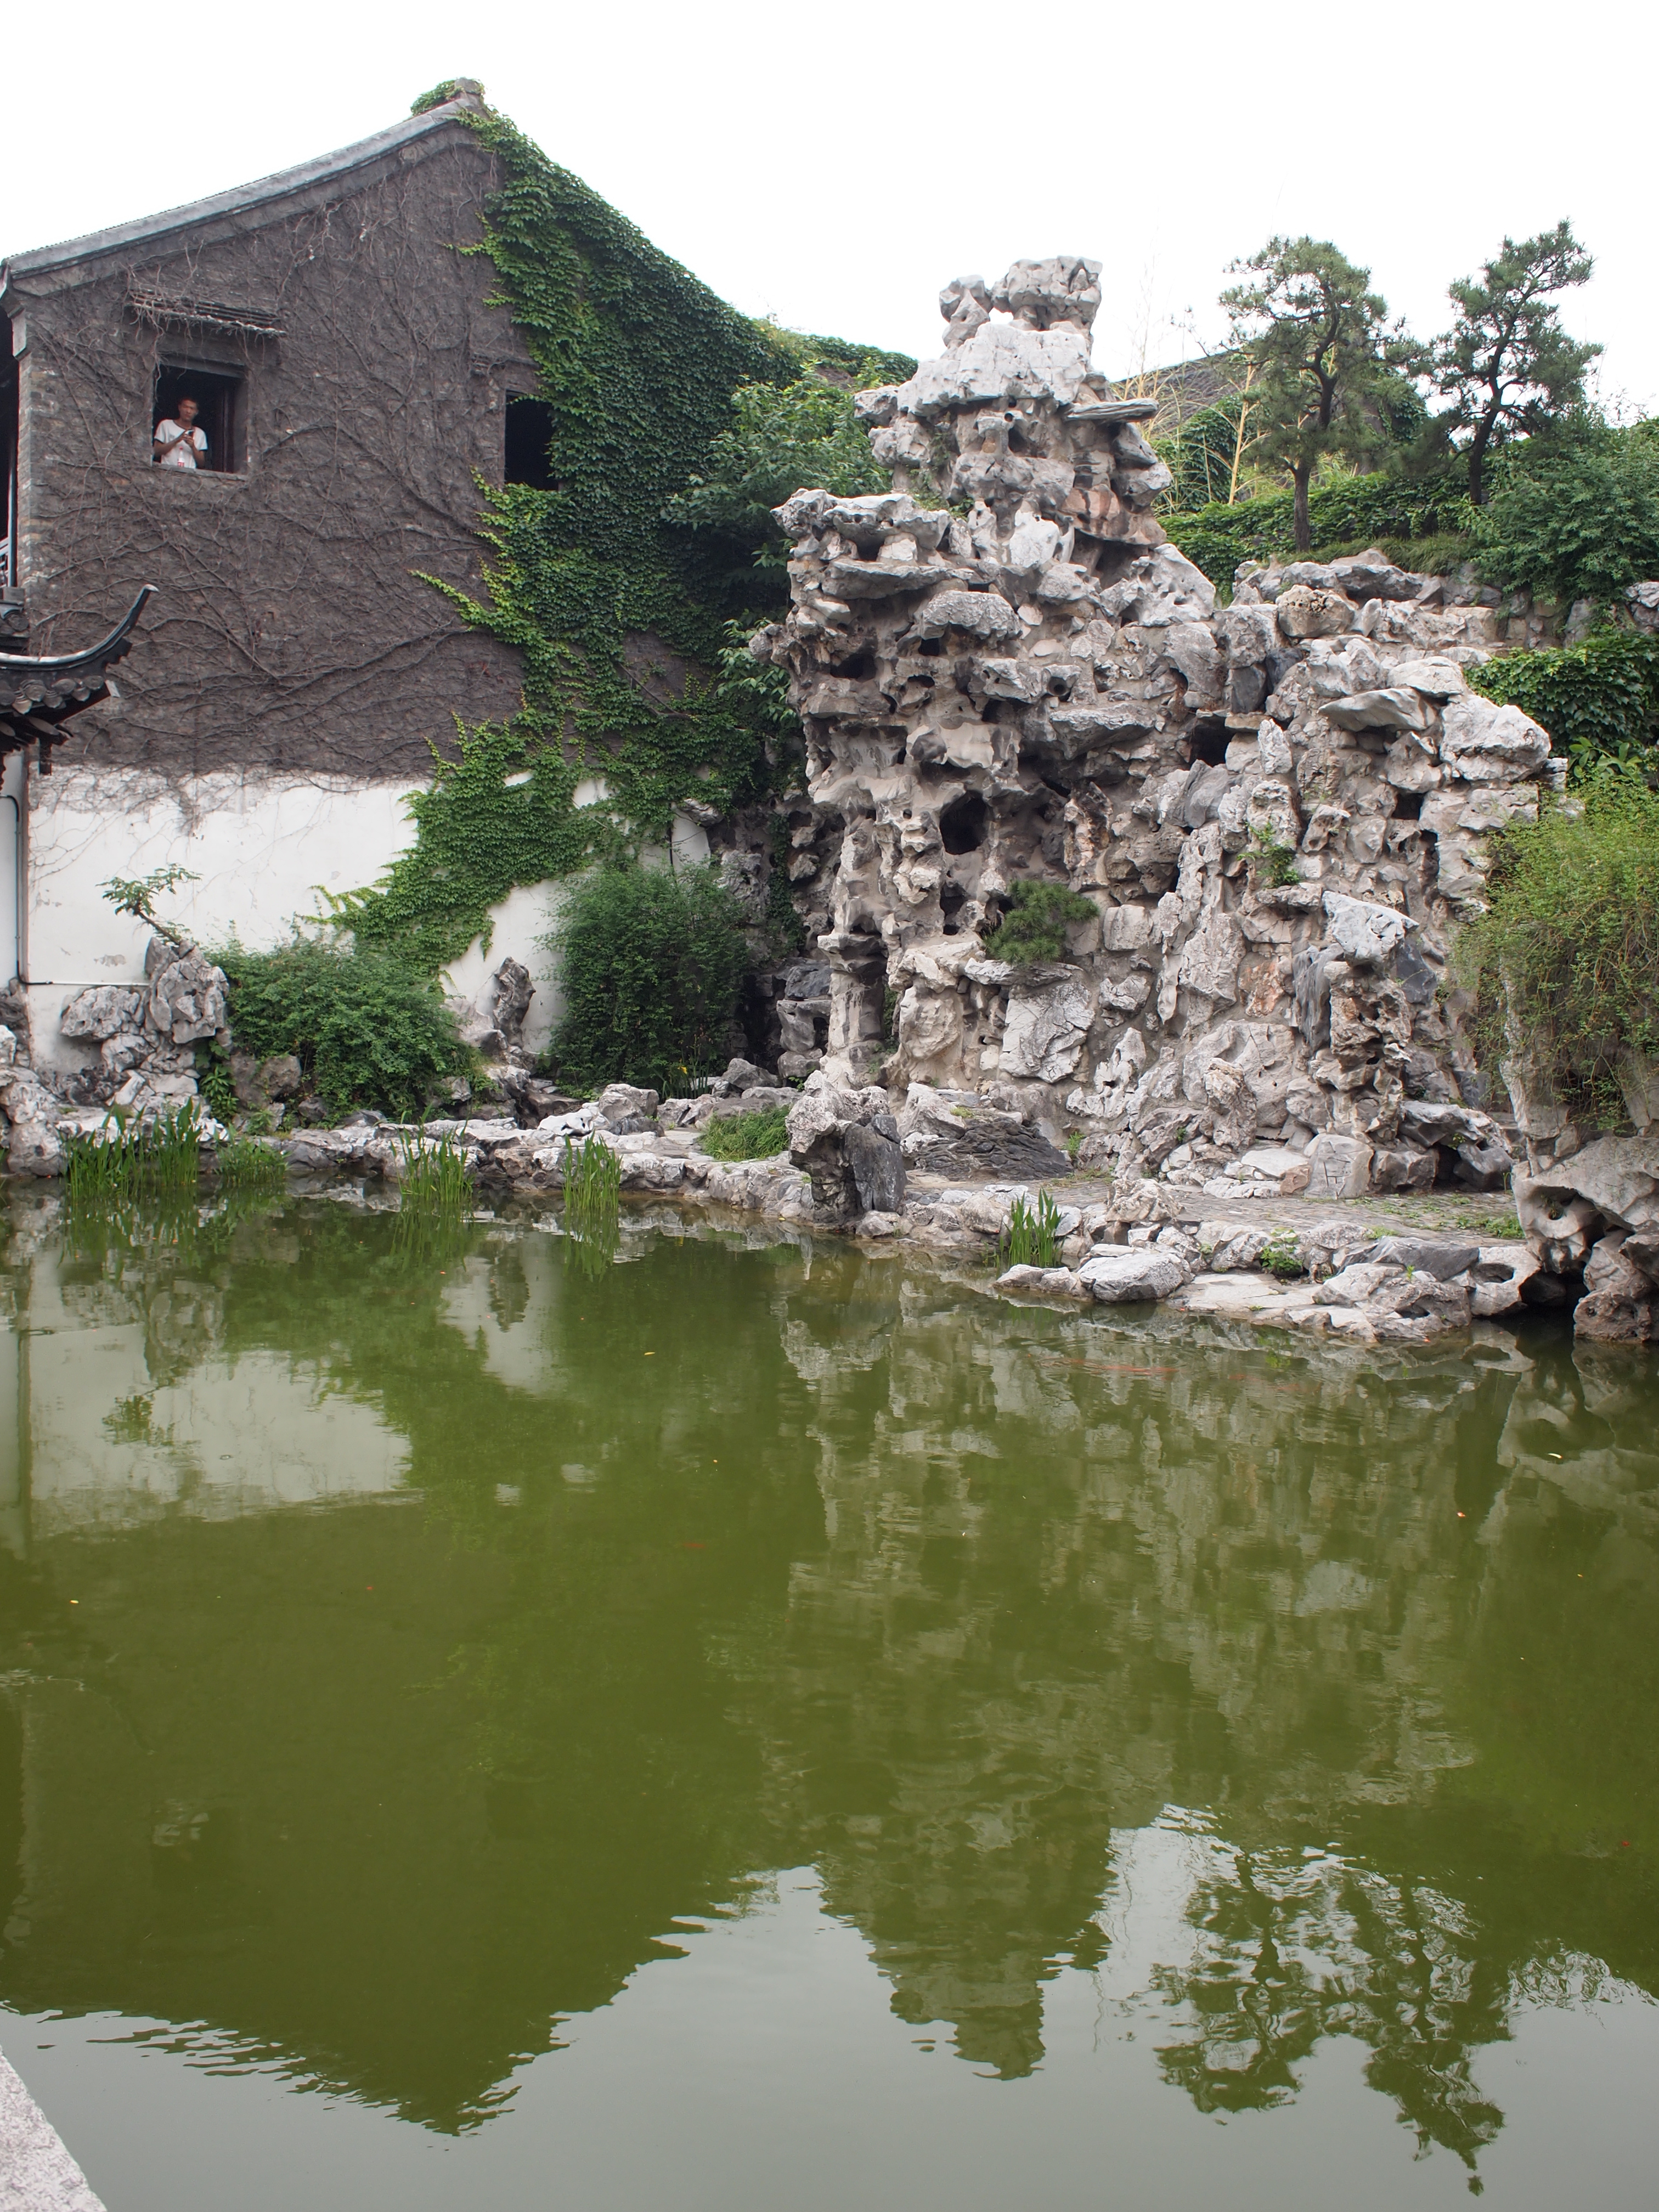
[178, 444]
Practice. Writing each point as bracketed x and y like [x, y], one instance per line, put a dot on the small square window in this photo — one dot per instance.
[217, 417]
[529, 435]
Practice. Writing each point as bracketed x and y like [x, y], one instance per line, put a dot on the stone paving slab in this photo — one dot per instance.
[37, 2173]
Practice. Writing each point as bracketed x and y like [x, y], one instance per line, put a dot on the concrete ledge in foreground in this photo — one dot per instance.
[37, 2174]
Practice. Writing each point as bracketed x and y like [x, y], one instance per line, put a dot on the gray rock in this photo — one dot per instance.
[1403, 1167]
[1364, 931]
[280, 1076]
[1498, 1279]
[1303, 613]
[625, 1109]
[1433, 1256]
[806, 979]
[1393, 708]
[1119, 1277]
[101, 1012]
[1338, 1167]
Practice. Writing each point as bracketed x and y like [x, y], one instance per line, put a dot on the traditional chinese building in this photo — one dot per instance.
[292, 672]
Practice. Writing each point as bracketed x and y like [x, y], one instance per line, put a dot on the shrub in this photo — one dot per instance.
[1597, 700]
[748, 1136]
[1578, 517]
[1033, 927]
[367, 1030]
[1564, 964]
[652, 964]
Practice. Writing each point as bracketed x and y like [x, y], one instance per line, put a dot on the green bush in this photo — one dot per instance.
[1564, 964]
[748, 1136]
[651, 962]
[368, 1031]
[1578, 517]
[1033, 927]
[1599, 700]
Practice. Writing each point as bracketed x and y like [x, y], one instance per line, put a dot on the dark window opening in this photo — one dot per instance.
[529, 436]
[218, 412]
[1407, 805]
[1209, 743]
[961, 824]
[930, 646]
[856, 666]
[952, 900]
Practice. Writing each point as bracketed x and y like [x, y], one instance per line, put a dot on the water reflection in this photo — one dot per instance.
[1287, 1698]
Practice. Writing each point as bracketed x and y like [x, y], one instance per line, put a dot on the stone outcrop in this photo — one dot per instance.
[145, 1034]
[1277, 808]
[1591, 1213]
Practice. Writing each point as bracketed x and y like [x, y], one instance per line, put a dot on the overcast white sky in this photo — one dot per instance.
[833, 164]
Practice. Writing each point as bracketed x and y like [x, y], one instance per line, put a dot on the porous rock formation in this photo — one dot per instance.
[1276, 808]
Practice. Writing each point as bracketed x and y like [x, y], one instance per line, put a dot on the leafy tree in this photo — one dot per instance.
[783, 440]
[652, 963]
[1506, 363]
[1315, 333]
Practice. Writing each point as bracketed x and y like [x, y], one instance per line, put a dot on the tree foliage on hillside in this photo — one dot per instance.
[1315, 332]
[1507, 365]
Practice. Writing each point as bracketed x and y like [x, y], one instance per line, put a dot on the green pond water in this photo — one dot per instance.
[757, 1726]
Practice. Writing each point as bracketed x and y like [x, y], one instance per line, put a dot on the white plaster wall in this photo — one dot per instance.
[264, 849]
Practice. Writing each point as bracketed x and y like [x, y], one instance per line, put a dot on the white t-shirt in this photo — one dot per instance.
[183, 455]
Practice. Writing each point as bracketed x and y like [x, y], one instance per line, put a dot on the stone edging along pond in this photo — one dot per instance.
[1328, 1269]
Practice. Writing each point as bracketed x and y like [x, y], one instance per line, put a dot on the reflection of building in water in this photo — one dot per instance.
[955, 1603]
[119, 1402]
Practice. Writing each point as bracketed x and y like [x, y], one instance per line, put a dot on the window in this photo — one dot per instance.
[529, 435]
[218, 411]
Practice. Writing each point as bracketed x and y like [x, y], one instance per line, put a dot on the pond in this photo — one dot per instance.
[761, 1725]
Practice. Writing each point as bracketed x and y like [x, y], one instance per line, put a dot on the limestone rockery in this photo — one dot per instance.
[1277, 808]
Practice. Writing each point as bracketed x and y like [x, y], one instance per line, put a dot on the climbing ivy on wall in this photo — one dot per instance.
[1599, 700]
[626, 619]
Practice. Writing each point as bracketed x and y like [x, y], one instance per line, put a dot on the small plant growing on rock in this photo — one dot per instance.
[1273, 863]
[1281, 1257]
[1031, 1239]
[136, 895]
[1033, 927]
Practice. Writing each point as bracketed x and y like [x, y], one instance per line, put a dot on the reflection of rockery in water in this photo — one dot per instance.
[1234, 1568]
[1007, 674]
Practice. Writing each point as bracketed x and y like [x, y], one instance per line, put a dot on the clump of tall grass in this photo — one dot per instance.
[592, 1199]
[126, 1158]
[1031, 1238]
[245, 1165]
[436, 1172]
